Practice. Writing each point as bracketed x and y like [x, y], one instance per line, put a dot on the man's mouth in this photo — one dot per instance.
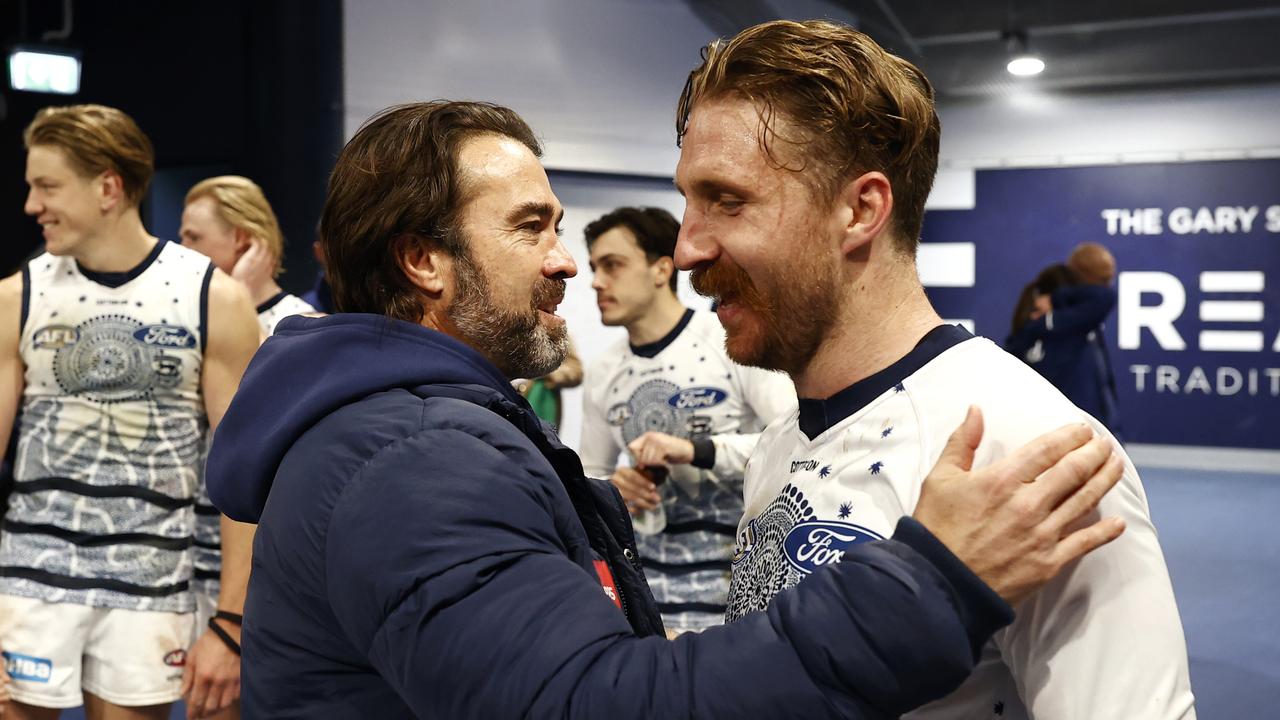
[549, 306]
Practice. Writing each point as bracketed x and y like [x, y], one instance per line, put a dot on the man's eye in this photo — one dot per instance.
[730, 205]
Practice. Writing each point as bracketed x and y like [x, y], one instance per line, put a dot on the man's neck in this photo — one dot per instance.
[884, 318]
[268, 290]
[120, 246]
[662, 318]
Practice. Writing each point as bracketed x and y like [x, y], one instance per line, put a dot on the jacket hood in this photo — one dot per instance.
[308, 369]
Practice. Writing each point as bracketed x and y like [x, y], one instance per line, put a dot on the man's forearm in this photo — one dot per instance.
[237, 560]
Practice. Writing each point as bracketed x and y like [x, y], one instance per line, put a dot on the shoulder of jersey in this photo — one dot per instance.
[185, 255]
[1007, 389]
[295, 305]
[609, 358]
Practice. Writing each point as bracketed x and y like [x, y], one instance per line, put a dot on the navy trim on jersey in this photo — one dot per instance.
[26, 299]
[76, 487]
[817, 416]
[116, 279]
[204, 307]
[68, 582]
[673, 608]
[686, 568]
[272, 301]
[652, 349]
[84, 539]
[701, 526]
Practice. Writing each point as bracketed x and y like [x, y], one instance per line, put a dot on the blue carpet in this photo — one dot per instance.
[1218, 531]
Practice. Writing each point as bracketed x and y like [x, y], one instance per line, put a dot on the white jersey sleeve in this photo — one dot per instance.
[1104, 638]
[769, 396]
[599, 448]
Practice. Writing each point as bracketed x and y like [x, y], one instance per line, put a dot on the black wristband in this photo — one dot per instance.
[223, 635]
[704, 452]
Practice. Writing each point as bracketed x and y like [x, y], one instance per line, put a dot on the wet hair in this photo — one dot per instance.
[849, 108]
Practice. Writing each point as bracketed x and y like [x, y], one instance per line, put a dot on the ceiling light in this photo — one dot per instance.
[1022, 62]
[1025, 65]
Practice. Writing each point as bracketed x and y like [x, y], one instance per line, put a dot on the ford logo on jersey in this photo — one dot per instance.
[812, 544]
[165, 336]
[697, 398]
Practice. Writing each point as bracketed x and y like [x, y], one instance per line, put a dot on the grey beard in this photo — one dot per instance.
[514, 341]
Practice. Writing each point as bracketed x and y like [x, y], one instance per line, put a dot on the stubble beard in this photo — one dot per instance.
[515, 341]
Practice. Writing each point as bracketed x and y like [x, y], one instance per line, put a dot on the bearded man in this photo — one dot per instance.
[427, 547]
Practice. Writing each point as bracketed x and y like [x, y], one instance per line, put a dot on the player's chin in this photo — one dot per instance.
[745, 344]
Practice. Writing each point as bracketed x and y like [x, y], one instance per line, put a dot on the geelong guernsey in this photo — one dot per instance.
[684, 385]
[112, 433]
[1103, 640]
[279, 307]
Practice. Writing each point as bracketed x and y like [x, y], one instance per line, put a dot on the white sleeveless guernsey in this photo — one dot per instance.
[112, 433]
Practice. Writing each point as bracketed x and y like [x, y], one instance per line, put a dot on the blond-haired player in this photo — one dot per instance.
[120, 351]
[229, 219]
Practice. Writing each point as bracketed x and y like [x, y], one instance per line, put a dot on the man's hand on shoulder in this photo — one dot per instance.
[1017, 522]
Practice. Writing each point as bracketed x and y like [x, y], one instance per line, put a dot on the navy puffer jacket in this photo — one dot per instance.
[427, 548]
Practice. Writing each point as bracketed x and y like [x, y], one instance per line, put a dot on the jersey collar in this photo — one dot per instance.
[272, 302]
[817, 416]
[116, 279]
[652, 349]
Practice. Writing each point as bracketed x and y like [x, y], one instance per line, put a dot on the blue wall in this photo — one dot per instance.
[1167, 224]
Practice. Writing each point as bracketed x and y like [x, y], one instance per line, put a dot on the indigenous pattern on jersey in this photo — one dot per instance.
[684, 385]
[1102, 640]
[206, 551]
[280, 307]
[112, 433]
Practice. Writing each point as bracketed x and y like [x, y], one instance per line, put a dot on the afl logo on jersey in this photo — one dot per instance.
[810, 545]
[618, 414]
[54, 337]
[697, 398]
[167, 336]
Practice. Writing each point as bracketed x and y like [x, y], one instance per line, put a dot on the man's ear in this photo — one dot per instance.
[662, 269]
[243, 241]
[110, 189]
[866, 206]
[426, 265]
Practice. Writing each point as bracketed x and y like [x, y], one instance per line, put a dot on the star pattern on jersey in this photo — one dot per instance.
[825, 471]
[876, 467]
[899, 388]
[846, 509]
[886, 432]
